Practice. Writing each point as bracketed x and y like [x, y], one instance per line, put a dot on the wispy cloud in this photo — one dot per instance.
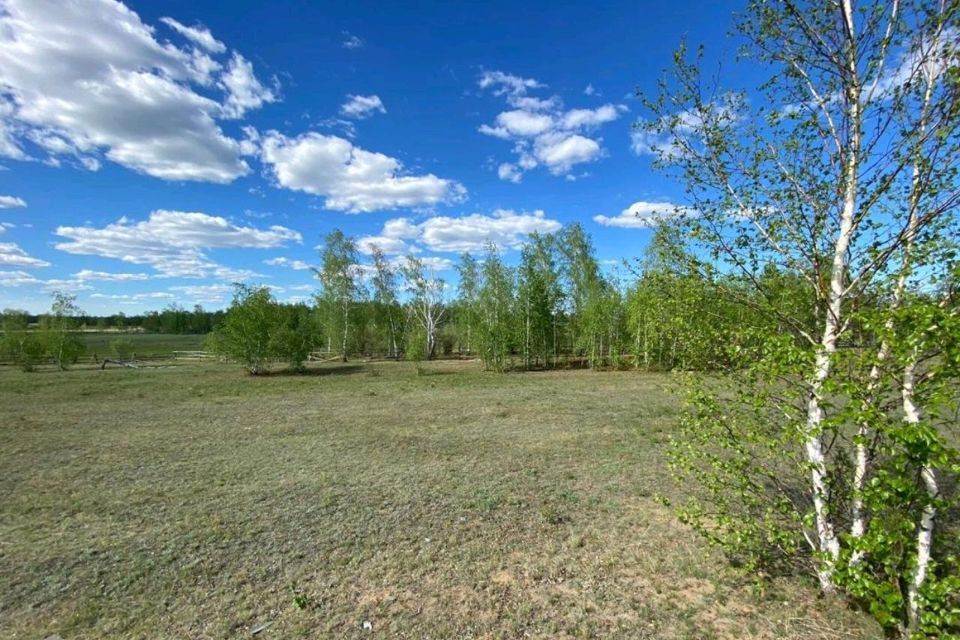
[12, 202]
[351, 41]
[362, 106]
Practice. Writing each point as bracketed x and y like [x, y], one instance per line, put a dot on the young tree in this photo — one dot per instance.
[468, 295]
[425, 305]
[58, 330]
[122, 348]
[495, 300]
[539, 298]
[247, 331]
[340, 284]
[385, 299]
[854, 163]
[22, 346]
[293, 334]
[587, 293]
[677, 318]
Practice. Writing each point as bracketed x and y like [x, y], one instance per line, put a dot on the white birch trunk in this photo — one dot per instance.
[813, 437]
[829, 544]
[911, 414]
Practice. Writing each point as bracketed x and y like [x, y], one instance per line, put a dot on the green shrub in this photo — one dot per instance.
[122, 348]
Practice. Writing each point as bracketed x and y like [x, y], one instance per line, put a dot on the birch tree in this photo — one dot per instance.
[426, 306]
[246, 333]
[468, 290]
[339, 285]
[385, 297]
[853, 162]
[58, 330]
[585, 292]
[496, 311]
[539, 298]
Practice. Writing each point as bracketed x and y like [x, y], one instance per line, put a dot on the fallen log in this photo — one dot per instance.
[122, 363]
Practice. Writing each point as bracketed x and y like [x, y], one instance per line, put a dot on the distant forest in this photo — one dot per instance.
[173, 318]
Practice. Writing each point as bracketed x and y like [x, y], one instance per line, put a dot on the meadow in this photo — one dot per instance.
[362, 500]
[144, 344]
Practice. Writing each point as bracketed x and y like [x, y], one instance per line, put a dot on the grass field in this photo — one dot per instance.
[196, 502]
[144, 344]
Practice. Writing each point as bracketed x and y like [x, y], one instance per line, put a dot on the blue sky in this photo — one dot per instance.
[155, 152]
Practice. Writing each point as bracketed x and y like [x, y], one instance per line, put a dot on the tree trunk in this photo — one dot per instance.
[526, 343]
[393, 336]
[911, 414]
[346, 329]
[829, 544]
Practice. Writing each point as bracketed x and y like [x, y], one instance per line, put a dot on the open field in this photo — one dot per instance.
[144, 344]
[196, 502]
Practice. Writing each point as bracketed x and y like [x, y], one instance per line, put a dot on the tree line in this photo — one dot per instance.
[556, 307]
[172, 319]
[53, 337]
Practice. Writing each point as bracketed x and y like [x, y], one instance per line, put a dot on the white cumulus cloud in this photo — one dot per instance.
[506, 83]
[132, 298]
[509, 172]
[84, 81]
[87, 274]
[244, 91]
[204, 293]
[351, 179]
[542, 132]
[505, 228]
[644, 215]
[11, 255]
[387, 244]
[675, 135]
[17, 279]
[174, 243]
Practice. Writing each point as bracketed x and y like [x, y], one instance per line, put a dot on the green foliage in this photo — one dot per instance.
[468, 290]
[172, 319]
[827, 444]
[495, 300]
[416, 343]
[539, 300]
[18, 344]
[425, 307]
[294, 336]
[57, 330]
[256, 330]
[122, 348]
[340, 288]
[387, 315]
[585, 293]
[300, 599]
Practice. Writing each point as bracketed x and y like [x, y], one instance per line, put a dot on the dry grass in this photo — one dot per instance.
[194, 502]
